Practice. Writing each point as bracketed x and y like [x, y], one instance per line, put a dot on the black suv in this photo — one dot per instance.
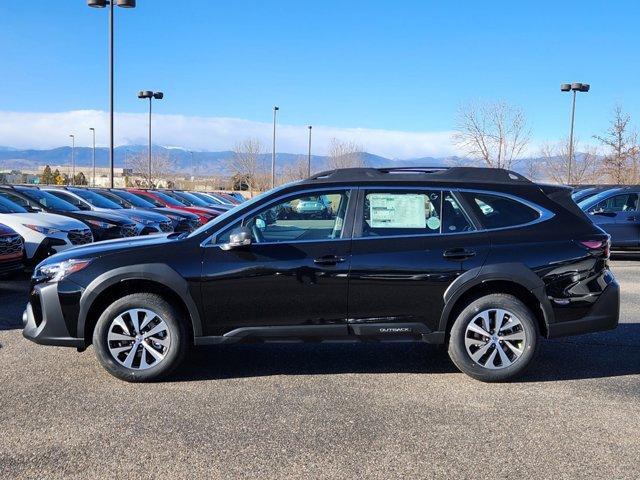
[482, 260]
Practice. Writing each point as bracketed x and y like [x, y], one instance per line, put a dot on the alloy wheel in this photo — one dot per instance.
[495, 339]
[138, 339]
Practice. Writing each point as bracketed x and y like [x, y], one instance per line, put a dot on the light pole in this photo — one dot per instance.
[309, 157]
[73, 160]
[273, 153]
[150, 95]
[573, 87]
[93, 130]
[102, 4]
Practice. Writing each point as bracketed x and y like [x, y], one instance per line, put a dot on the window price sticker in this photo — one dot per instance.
[388, 210]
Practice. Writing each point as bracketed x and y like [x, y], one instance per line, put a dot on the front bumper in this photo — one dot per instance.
[43, 319]
[604, 315]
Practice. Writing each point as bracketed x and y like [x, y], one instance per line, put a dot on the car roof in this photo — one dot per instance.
[419, 174]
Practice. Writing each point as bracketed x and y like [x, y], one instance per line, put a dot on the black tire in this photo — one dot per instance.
[176, 328]
[462, 358]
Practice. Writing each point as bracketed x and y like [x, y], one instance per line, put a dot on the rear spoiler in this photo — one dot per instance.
[561, 195]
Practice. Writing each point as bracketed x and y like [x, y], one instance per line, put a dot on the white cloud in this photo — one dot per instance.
[47, 130]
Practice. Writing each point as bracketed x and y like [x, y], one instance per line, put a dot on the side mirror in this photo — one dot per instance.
[238, 238]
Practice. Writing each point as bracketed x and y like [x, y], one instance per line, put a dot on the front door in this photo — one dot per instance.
[409, 246]
[293, 273]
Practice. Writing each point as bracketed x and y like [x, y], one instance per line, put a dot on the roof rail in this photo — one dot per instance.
[450, 174]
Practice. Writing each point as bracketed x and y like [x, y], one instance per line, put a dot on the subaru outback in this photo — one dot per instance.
[481, 260]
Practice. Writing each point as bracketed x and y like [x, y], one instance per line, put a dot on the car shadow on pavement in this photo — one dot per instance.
[606, 354]
[633, 256]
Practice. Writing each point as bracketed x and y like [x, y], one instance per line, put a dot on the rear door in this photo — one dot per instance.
[409, 245]
[618, 215]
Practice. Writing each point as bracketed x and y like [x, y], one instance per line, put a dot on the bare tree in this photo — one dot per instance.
[296, 171]
[162, 167]
[584, 167]
[494, 133]
[620, 164]
[247, 162]
[344, 155]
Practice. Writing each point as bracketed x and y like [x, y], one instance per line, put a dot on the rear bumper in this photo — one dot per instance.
[43, 320]
[604, 315]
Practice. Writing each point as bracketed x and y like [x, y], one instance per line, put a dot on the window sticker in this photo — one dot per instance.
[434, 223]
[388, 210]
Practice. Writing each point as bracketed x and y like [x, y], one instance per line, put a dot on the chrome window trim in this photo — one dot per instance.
[208, 242]
[544, 214]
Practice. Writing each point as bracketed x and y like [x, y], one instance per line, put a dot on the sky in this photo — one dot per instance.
[390, 75]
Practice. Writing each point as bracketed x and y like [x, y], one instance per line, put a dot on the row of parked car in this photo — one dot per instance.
[38, 221]
[615, 209]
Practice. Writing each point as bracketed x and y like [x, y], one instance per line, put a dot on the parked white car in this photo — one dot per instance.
[44, 233]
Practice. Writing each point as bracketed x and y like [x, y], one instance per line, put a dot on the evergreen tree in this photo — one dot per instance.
[47, 177]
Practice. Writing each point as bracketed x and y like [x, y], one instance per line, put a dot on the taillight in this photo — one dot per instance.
[602, 247]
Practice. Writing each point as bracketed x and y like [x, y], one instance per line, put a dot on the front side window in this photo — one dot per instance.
[627, 202]
[302, 218]
[496, 211]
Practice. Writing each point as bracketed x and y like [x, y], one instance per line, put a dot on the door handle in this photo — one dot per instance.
[458, 253]
[329, 260]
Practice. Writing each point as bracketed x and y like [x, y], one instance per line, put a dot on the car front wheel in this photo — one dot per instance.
[140, 338]
[493, 339]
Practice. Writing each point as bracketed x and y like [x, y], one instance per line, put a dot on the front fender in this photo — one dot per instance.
[156, 272]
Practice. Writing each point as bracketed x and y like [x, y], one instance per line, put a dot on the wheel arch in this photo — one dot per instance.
[154, 278]
[511, 278]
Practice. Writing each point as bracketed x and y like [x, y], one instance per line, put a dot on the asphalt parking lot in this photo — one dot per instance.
[325, 411]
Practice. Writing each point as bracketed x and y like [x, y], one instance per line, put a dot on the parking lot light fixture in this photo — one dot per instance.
[150, 95]
[93, 181]
[103, 4]
[73, 160]
[309, 156]
[573, 87]
[273, 152]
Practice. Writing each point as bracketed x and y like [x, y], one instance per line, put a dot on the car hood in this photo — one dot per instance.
[143, 214]
[50, 220]
[106, 247]
[100, 216]
[178, 213]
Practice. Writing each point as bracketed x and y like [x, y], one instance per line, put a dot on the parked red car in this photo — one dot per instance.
[162, 199]
[11, 250]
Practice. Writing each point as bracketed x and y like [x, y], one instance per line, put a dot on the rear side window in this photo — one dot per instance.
[496, 211]
[421, 212]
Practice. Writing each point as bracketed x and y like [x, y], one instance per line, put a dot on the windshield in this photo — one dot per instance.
[9, 207]
[134, 200]
[169, 200]
[49, 201]
[95, 199]
[189, 197]
[590, 201]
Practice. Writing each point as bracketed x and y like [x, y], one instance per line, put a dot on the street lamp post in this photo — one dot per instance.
[93, 130]
[573, 87]
[309, 156]
[102, 4]
[73, 160]
[273, 153]
[150, 95]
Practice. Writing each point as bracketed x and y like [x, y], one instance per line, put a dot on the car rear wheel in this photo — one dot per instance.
[494, 339]
[140, 337]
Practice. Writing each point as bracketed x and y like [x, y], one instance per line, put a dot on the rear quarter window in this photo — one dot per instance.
[496, 211]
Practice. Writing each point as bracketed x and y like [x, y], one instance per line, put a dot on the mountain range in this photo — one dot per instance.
[185, 161]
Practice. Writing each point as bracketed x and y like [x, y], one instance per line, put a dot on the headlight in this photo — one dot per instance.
[99, 224]
[43, 230]
[54, 272]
